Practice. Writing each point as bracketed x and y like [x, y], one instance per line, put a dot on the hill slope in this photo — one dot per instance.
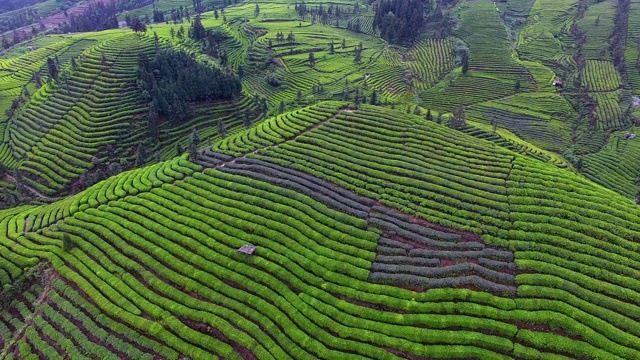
[153, 251]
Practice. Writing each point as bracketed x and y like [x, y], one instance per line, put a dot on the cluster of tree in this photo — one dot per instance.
[98, 16]
[197, 31]
[173, 78]
[399, 20]
[197, 6]
[10, 5]
[101, 15]
[281, 38]
[158, 16]
[136, 24]
[20, 36]
[99, 172]
[458, 120]
[177, 14]
[210, 38]
[619, 36]
[212, 44]
[322, 14]
[355, 25]
[273, 80]
[25, 95]
[18, 19]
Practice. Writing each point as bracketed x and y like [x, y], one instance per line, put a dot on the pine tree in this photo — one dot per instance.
[518, 85]
[299, 95]
[247, 119]
[408, 109]
[53, 68]
[429, 115]
[36, 79]
[194, 141]
[344, 43]
[141, 156]
[465, 62]
[179, 149]
[358, 53]
[439, 119]
[459, 119]
[74, 64]
[256, 12]
[345, 95]
[374, 98]
[222, 131]
[331, 49]
[312, 59]
[281, 107]
[417, 111]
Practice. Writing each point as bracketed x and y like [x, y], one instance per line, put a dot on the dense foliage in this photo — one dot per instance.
[100, 16]
[399, 20]
[172, 78]
[8, 5]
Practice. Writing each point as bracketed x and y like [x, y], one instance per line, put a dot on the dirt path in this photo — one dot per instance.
[32, 190]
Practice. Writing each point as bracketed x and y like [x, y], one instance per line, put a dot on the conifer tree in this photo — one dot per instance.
[358, 53]
[458, 120]
[141, 156]
[194, 141]
[312, 59]
[247, 119]
[53, 68]
[465, 62]
[429, 115]
[281, 107]
[222, 131]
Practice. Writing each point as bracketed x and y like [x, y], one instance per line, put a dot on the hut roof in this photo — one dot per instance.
[247, 249]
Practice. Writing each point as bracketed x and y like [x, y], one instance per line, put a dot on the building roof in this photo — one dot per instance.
[247, 249]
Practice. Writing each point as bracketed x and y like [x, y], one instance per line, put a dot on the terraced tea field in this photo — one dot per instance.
[470, 193]
[338, 273]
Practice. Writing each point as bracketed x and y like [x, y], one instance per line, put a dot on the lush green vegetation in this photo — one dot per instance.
[431, 179]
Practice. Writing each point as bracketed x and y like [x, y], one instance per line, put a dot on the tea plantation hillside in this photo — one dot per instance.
[394, 179]
[514, 267]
